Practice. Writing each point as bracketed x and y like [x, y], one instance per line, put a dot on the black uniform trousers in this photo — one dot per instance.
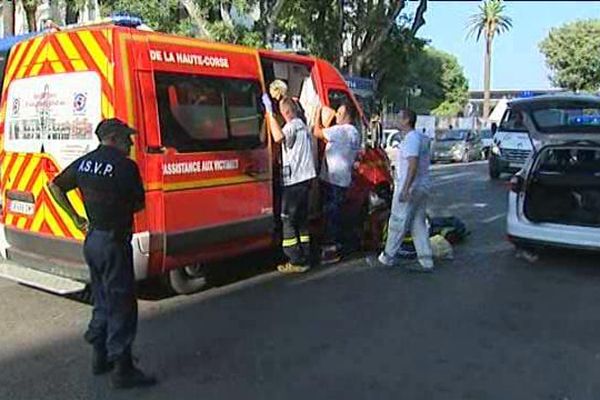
[113, 326]
[294, 217]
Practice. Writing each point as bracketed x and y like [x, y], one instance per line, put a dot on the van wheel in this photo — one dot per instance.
[493, 168]
[188, 280]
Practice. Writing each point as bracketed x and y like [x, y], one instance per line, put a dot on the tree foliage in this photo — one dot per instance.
[572, 53]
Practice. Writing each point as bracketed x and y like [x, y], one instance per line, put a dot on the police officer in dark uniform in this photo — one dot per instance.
[112, 192]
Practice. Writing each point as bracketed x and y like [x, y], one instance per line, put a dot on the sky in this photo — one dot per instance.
[517, 62]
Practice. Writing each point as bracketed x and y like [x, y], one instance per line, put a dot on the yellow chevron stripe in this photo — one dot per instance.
[15, 60]
[127, 82]
[21, 222]
[26, 177]
[51, 54]
[71, 51]
[76, 202]
[14, 171]
[27, 60]
[108, 35]
[9, 219]
[108, 111]
[100, 59]
[6, 161]
[36, 69]
[64, 217]
[54, 227]
[38, 219]
[58, 67]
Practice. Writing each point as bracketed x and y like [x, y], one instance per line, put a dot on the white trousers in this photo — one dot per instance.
[408, 217]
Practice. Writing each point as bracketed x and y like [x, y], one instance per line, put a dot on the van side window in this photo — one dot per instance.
[200, 113]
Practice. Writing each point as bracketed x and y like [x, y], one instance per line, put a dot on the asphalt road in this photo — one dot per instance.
[484, 326]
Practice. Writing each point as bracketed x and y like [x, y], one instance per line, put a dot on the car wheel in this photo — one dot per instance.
[188, 280]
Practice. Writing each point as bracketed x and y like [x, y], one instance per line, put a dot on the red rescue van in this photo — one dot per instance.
[206, 158]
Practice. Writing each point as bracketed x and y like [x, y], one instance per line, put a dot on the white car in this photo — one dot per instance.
[555, 199]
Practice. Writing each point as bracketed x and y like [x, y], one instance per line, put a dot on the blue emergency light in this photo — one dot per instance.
[125, 19]
[585, 120]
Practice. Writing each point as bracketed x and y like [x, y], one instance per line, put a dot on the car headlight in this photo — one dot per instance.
[495, 149]
[458, 148]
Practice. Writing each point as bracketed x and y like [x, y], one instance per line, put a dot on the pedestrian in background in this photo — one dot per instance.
[298, 171]
[409, 202]
[343, 142]
[112, 192]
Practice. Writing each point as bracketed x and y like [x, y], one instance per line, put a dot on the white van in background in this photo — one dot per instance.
[511, 146]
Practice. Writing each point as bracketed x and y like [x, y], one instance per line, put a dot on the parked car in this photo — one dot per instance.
[555, 199]
[457, 145]
[511, 145]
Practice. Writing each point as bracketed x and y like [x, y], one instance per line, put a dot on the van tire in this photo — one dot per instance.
[493, 168]
[181, 281]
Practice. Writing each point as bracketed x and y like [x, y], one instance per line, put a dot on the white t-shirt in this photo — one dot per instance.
[415, 144]
[296, 153]
[343, 145]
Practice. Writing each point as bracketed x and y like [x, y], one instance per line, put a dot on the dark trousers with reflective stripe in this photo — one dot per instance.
[114, 318]
[294, 217]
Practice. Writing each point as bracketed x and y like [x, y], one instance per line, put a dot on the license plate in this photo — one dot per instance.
[515, 165]
[21, 207]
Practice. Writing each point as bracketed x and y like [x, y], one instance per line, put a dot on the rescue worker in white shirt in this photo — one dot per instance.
[409, 203]
[298, 170]
[343, 142]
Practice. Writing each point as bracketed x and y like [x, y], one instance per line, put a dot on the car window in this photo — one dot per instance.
[567, 118]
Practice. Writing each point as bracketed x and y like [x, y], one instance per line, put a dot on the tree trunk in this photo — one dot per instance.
[8, 14]
[30, 12]
[272, 21]
[486, 78]
[72, 12]
[193, 10]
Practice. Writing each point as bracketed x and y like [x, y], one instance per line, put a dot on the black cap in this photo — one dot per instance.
[113, 125]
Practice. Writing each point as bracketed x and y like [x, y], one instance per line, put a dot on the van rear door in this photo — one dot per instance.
[216, 170]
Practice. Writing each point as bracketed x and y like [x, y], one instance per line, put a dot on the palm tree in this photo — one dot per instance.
[489, 21]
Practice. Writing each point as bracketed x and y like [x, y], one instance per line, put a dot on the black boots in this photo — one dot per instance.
[126, 375]
[100, 363]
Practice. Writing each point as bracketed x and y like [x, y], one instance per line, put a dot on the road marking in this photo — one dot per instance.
[494, 218]
[447, 166]
[456, 175]
[480, 205]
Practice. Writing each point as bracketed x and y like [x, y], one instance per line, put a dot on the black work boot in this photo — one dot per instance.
[100, 363]
[126, 375]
